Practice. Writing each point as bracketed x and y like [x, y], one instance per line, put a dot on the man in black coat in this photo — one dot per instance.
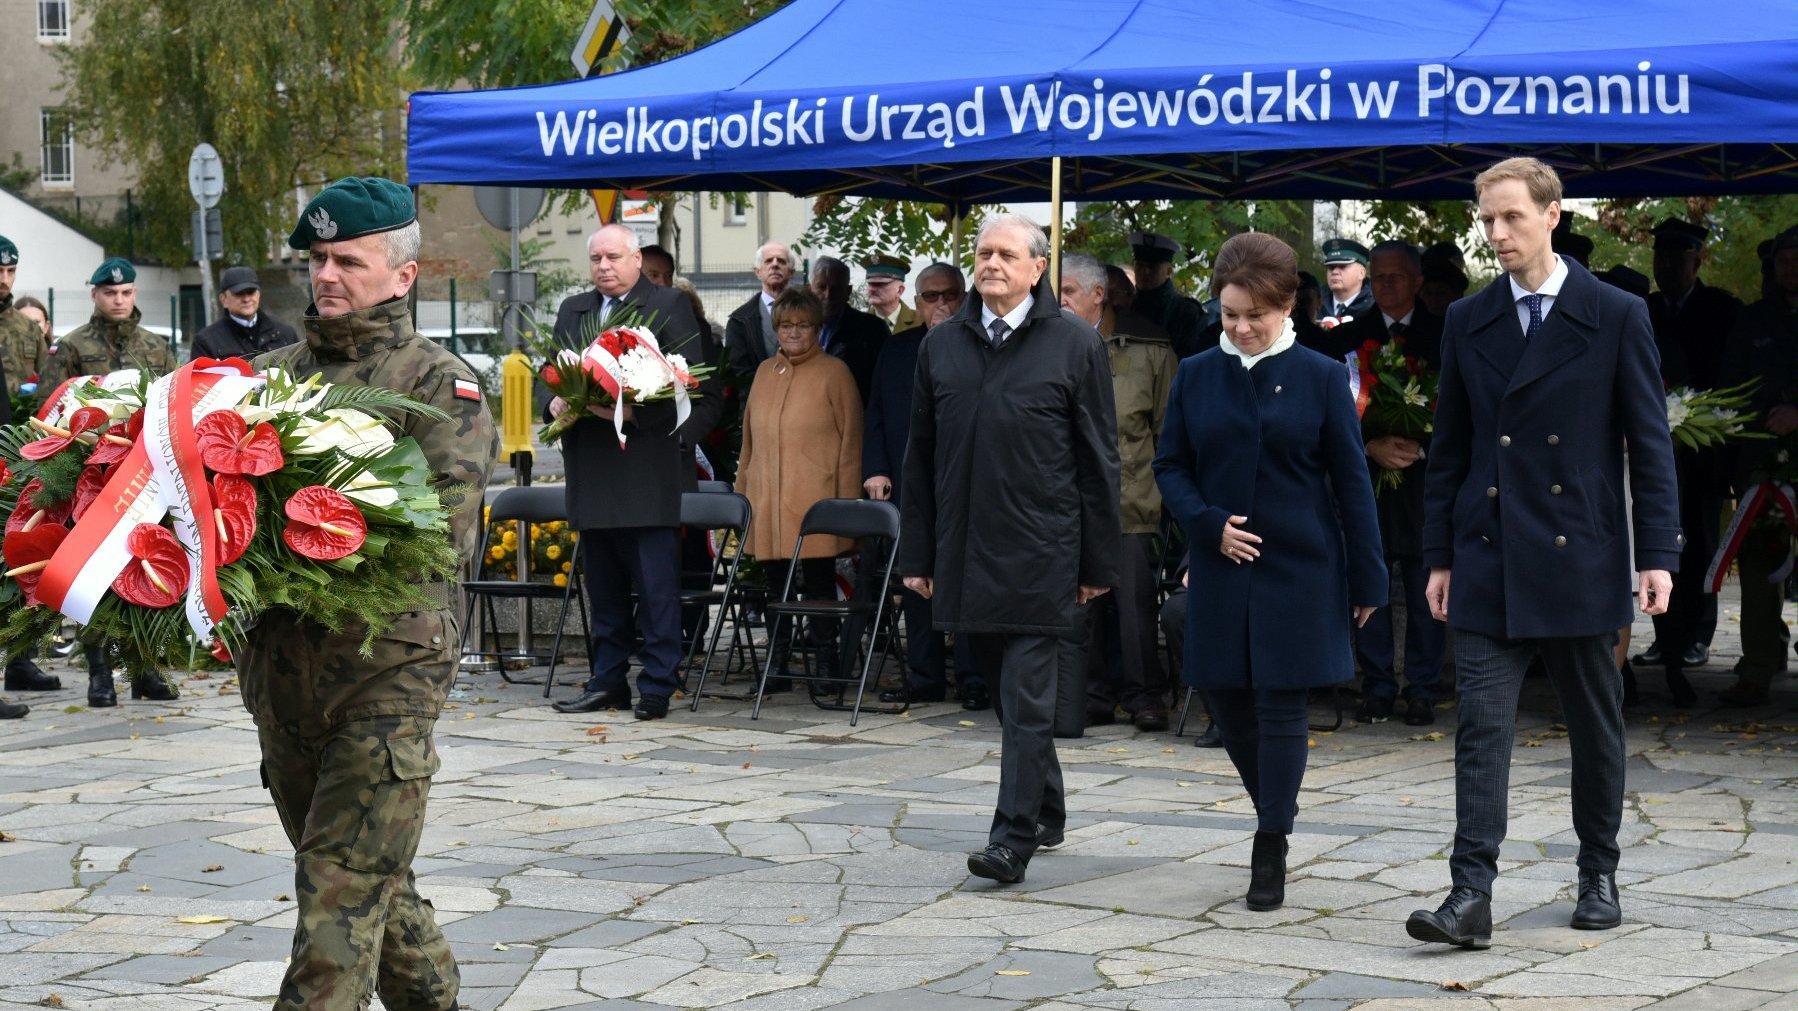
[849, 334]
[1346, 292]
[1011, 508]
[625, 499]
[749, 332]
[1546, 374]
[245, 331]
[1692, 323]
[1395, 272]
[1181, 317]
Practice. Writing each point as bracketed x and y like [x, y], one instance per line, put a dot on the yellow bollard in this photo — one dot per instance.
[517, 405]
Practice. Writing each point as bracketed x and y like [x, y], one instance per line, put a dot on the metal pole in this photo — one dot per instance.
[1055, 221]
[453, 308]
[955, 222]
[520, 461]
[174, 318]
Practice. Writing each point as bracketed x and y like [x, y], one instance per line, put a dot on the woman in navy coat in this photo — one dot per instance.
[1262, 463]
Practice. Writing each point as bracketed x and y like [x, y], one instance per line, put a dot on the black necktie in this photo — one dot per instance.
[1397, 329]
[998, 328]
[1535, 304]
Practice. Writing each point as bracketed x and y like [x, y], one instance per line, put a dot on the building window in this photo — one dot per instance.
[53, 20]
[59, 148]
[736, 212]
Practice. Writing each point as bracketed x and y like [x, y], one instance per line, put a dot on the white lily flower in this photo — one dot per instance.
[371, 491]
[353, 432]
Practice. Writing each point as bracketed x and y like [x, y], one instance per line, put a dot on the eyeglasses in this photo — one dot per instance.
[795, 327]
[945, 295]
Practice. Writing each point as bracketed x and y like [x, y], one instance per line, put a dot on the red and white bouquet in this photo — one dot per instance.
[176, 510]
[622, 364]
[1395, 394]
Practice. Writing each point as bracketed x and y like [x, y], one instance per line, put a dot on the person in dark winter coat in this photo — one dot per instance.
[625, 500]
[1261, 462]
[849, 335]
[245, 331]
[1010, 513]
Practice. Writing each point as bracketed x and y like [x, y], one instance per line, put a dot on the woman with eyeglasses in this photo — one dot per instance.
[802, 442]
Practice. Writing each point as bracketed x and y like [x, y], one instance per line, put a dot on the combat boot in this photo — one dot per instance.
[100, 693]
[154, 687]
[23, 675]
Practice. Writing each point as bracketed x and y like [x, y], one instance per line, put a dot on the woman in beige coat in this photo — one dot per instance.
[802, 442]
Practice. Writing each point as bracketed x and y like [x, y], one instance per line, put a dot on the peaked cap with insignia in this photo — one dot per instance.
[351, 208]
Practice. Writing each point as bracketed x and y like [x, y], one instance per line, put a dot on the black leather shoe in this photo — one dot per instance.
[1697, 655]
[1419, 713]
[997, 863]
[1374, 710]
[1598, 908]
[1101, 716]
[1651, 655]
[13, 710]
[22, 675]
[591, 702]
[100, 692]
[1150, 719]
[1048, 838]
[1464, 918]
[1209, 738]
[1267, 872]
[974, 702]
[154, 687]
[652, 707]
[913, 695]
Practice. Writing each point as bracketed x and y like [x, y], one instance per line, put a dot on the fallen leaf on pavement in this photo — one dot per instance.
[202, 918]
[1454, 984]
[596, 731]
[1011, 972]
[798, 918]
[966, 723]
[211, 868]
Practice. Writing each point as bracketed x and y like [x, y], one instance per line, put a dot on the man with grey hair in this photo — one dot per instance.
[749, 331]
[849, 334]
[1011, 509]
[1142, 374]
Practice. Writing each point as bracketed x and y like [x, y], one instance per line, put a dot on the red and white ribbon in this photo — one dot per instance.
[609, 371]
[1759, 499]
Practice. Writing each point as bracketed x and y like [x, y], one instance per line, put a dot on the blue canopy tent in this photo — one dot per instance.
[964, 103]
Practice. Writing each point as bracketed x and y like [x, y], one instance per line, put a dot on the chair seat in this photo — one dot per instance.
[702, 596]
[819, 608]
[513, 588]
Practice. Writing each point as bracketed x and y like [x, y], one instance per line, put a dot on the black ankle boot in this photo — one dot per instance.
[100, 693]
[1267, 872]
[23, 675]
[154, 687]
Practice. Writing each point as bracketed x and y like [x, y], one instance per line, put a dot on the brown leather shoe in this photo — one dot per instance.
[1150, 718]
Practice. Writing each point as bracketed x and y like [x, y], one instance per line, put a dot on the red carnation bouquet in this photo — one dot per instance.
[1395, 394]
[623, 363]
[170, 513]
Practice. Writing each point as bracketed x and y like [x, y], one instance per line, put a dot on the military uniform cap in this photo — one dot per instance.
[1572, 244]
[117, 270]
[1787, 239]
[1344, 251]
[1152, 248]
[351, 208]
[1674, 233]
[886, 266]
[9, 253]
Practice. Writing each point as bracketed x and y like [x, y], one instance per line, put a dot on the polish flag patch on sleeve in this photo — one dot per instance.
[468, 389]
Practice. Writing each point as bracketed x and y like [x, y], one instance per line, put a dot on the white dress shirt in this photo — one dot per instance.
[1013, 319]
[1550, 290]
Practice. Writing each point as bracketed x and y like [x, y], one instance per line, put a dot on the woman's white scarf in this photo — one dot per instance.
[1288, 335]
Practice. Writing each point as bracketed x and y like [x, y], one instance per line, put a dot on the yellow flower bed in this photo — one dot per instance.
[551, 548]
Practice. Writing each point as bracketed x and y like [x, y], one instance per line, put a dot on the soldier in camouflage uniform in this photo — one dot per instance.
[110, 341]
[346, 741]
[21, 342]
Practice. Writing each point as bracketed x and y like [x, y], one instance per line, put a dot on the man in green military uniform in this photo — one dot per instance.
[21, 342]
[886, 288]
[346, 740]
[109, 341]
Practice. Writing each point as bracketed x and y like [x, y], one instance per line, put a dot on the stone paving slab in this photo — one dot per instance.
[800, 864]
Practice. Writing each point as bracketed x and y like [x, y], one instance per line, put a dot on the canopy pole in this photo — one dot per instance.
[955, 222]
[1055, 221]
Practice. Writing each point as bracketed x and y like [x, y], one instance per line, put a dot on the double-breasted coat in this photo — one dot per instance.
[1279, 444]
[1011, 472]
[1524, 493]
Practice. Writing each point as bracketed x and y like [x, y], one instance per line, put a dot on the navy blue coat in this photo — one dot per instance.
[1524, 492]
[887, 423]
[1280, 444]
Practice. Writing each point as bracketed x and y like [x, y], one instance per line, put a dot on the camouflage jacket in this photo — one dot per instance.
[1142, 376]
[104, 345]
[304, 677]
[21, 346]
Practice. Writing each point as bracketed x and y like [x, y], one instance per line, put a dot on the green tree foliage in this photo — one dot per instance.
[859, 229]
[289, 93]
[1200, 226]
[1623, 234]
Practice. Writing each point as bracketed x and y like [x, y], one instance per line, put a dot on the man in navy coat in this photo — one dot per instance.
[1546, 374]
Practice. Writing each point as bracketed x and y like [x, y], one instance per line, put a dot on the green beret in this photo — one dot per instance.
[351, 208]
[1344, 251]
[117, 270]
[9, 253]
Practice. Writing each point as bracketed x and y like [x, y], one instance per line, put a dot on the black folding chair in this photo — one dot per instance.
[727, 513]
[854, 519]
[714, 486]
[524, 506]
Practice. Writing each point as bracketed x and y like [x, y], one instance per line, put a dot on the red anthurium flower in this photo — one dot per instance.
[28, 514]
[229, 446]
[323, 524]
[56, 440]
[27, 554]
[114, 445]
[87, 489]
[551, 376]
[220, 651]
[234, 511]
[157, 574]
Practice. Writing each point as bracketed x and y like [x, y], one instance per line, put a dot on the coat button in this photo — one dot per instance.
[1504, 440]
[437, 640]
[1680, 540]
[1491, 492]
[1560, 542]
[1554, 489]
[1554, 440]
[1485, 539]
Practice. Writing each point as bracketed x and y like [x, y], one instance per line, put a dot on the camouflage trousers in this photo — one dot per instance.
[353, 804]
